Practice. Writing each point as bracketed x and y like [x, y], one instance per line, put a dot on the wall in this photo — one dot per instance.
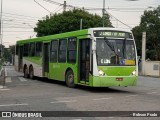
[151, 68]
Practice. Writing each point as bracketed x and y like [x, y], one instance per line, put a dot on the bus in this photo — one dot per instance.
[95, 57]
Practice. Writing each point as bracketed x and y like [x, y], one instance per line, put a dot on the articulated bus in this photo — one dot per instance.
[96, 57]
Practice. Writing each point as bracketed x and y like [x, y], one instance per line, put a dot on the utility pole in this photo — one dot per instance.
[1, 29]
[103, 12]
[143, 52]
[81, 22]
[64, 6]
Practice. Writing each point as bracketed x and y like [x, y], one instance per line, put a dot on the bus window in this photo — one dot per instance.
[17, 48]
[72, 45]
[62, 50]
[25, 49]
[39, 49]
[32, 49]
[53, 53]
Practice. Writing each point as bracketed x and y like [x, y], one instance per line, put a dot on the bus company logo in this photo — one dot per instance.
[6, 114]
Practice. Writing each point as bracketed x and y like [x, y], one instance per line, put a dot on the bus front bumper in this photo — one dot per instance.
[109, 81]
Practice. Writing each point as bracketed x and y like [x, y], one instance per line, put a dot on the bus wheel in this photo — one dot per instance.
[31, 73]
[70, 79]
[26, 72]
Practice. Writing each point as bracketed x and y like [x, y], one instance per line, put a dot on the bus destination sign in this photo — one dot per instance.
[117, 34]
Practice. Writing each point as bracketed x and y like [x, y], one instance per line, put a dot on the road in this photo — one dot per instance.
[22, 94]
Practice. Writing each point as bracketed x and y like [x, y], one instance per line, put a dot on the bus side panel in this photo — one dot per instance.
[36, 63]
[57, 71]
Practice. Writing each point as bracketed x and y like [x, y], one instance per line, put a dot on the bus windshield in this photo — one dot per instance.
[115, 52]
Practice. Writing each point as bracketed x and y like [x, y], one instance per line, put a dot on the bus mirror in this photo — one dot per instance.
[94, 45]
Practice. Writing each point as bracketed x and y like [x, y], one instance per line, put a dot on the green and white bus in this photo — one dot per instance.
[96, 57]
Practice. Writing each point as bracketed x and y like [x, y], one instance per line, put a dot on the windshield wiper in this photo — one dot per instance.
[110, 45]
[114, 59]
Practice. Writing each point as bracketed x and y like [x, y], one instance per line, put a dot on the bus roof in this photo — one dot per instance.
[110, 28]
[69, 34]
[56, 36]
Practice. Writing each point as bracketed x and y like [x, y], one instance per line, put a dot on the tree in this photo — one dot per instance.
[150, 23]
[12, 49]
[7, 55]
[1, 48]
[68, 21]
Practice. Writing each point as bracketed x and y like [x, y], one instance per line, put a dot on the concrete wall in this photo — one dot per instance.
[151, 68]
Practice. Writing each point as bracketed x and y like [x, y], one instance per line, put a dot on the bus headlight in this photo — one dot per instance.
[133, 73]
[101, 73]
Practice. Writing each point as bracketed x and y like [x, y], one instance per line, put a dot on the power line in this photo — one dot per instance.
[56, 9]
[53, 2]
[20, 15]
[59, 10]
[17, 31]
[42, 6]
[9, 16]
[118, 20]
[15, 24]
[7, 20]
[18, 27]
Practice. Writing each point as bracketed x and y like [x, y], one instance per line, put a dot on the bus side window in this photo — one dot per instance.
[72, 46]
[62, 50]
[53, 51]
[17, 49]
[39, 49]
[32, 49]
[25, 49]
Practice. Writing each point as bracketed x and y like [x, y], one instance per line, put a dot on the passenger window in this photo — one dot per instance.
[72, 47]
[53, 51]
[62, 50]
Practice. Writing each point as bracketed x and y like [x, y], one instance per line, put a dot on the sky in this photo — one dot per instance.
[19, 17]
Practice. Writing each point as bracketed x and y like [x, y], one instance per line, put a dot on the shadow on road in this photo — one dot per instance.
[86, 88]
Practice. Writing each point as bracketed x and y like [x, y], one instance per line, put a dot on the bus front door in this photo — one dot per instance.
[45, 59]
[84, 60]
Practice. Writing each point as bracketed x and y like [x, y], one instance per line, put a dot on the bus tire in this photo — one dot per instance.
[25, 72]
[31, 73]
[70, 79]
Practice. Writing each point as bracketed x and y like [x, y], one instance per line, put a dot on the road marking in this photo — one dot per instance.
[4, 89]
[64, 101]
[151, 92]
[76, 119]
[103, 98]
[7, 105]
[111, 117]
[8, 80]
[131, 95]
[22, 79]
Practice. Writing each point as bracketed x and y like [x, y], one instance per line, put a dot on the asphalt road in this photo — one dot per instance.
[22, 94]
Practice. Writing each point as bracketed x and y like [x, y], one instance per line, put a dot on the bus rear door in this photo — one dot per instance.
[46, 59]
